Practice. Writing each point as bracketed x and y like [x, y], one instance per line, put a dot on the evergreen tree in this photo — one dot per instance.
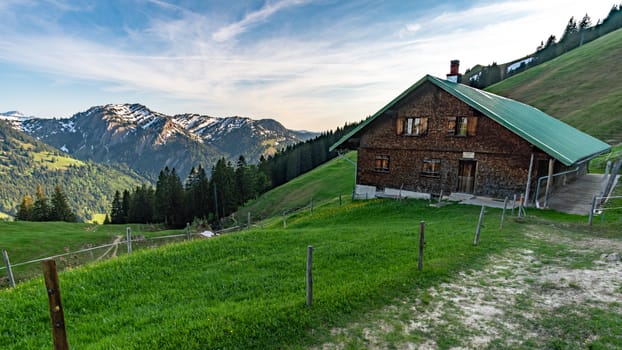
[222, 185]
[116, 210]
[243, 181]
[177, 214]
[125, 206]
[142, 203]
[26, 208]
[41, 207]
[162, 196]
[107, 219]
[60, 210]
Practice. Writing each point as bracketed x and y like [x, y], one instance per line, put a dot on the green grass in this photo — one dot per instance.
[247, 290]
[579, 87]
[323, 184]
[598, 164]
[55, 162]
[25, 241]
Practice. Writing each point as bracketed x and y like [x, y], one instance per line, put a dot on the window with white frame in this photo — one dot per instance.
[412, 126]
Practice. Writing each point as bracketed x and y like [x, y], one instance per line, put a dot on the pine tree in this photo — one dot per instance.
[125, 206]
[116, 209]
[26, 208]
[162, 196]
[60, 210]
[177, 214]
[41, 207]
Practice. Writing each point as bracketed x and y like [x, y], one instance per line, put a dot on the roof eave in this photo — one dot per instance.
[379, 113]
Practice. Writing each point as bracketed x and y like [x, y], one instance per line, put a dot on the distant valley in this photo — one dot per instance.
[118, 146]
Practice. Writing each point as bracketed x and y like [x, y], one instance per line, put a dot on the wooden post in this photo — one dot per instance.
[528, 186]
[128, 237]
[284, 220]
[9, 271]
[421, 244]
[309, 275]
[479, 225]
[513, 204]
[589, 221]
[248, 219]
[440, 198]
[505, 206]
[188, 236]
[59, 334]
[549, 182]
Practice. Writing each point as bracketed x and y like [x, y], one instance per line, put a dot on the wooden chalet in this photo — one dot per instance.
[440, 136]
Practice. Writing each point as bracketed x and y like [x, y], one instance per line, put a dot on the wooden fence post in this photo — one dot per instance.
[188, 236]
[248, 219]
[591, 218]
[59, 334]
[479, 225]
[9, 271]
[309, 275]
[128, 237]
[505, 207]
[284, 220]
[421, 244]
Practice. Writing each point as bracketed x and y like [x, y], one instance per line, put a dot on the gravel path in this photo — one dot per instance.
[502, 305]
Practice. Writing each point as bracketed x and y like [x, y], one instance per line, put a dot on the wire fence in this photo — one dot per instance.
[24, 270]
[610, 206]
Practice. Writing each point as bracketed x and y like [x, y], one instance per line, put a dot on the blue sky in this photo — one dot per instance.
[311, 64]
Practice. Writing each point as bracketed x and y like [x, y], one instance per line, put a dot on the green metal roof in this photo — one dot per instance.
[554, 137]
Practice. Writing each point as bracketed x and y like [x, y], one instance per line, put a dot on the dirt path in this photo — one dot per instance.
[519, 300]
[114, 248]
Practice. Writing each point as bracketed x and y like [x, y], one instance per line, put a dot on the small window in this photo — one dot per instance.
[382, 164]
[412, 126]
[431, 167]
[461, 126]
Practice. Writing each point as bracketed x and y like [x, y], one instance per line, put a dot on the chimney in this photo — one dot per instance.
[454, 72]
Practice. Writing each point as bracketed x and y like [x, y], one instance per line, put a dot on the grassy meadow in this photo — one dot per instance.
[580, 87]
[247, 290]
[25, 241]
[323, 184]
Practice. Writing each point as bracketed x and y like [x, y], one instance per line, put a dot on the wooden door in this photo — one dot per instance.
[466, 176]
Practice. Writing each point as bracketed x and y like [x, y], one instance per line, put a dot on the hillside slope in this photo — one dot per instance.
[582, 87]
[26, 162]
[321, 184]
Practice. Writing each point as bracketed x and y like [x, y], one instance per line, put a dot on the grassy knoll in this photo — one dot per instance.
[581, 87]
[598, 164]
[25, 241]
[247, 290]
[324, 183]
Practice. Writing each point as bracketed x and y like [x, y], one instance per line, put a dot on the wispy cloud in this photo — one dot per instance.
[234, 29]
[346, 70]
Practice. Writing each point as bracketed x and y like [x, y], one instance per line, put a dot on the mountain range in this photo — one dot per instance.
[147, 141]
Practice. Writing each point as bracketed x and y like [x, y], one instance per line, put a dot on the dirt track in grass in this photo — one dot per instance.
[518, 300]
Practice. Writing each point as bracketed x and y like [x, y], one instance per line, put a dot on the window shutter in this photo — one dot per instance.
[400, 126]
[471, 126]
[451, 126]
[424, 125]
